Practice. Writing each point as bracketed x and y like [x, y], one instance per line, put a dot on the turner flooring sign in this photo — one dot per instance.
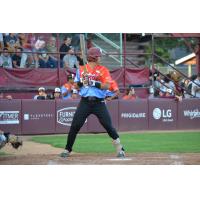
[164, 114]
[192, 114]
[9, 117]
[65, 116]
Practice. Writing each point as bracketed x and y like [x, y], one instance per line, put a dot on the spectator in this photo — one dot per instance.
[45, 61]
[76, 42]
[70, 60]
[184, 84]
[67, 88]
[130, 94]
[176, 78]
[11, 42]
[65, 46]
[39, 47]
[189, 86]
[5, 59]
[41, 94]
[55, 95]
[196, 87]
[79, 58]
[75, 94]
[168, 93]
[19, 58]
[168, 84]
[157, 83]
[51, 47]
[25, 43]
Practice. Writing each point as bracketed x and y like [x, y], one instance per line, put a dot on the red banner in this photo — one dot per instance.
[53, 77]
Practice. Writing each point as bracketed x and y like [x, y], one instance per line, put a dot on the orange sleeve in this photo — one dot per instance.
[113, 86]
[105, 76]
[67, 86]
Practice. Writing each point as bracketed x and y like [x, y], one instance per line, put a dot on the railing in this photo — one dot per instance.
[174, 68]
[107, 41]
[110, 42]
[105, 52]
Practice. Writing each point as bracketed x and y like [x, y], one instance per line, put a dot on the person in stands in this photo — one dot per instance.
[130, 94]
[70, 60]
[5, 59]
[67, 88]
[66, 45]
[41, 94]
[19, 58]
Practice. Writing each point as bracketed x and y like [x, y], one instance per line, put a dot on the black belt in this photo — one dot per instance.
[92, 98]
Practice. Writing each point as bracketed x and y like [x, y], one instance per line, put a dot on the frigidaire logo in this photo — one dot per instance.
[65, 115]
[166, 115]
[133, 115]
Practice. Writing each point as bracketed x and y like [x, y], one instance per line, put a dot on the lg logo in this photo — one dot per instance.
[158, 113]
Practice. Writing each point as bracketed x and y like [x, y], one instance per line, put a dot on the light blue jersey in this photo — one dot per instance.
[86, 91]
[109, 93]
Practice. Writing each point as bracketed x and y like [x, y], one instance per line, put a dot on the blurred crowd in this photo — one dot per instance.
[27, 50]
[174, 85]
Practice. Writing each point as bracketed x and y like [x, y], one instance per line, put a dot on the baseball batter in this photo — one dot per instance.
[93, 80]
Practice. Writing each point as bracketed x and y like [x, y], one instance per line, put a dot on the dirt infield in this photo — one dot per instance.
[42, 154]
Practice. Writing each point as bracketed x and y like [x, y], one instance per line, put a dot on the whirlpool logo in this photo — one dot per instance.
[65, 116]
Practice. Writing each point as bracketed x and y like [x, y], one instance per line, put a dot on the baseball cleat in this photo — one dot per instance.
[119, 148]
[121, 153]
[65, 154]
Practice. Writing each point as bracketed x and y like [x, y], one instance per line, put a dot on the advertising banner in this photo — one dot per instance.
[162, 114]
[189, 114]
[10, 116]
[38, 116]
[133, 115]
[65, 110]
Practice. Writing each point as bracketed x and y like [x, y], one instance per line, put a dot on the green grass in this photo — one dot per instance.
[141, 142]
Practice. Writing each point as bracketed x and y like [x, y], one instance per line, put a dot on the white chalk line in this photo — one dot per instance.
[176, 159]
[119, 159]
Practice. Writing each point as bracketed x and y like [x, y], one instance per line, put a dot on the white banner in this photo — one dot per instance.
[9, 117]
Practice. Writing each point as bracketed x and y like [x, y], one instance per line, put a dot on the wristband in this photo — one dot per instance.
[96, 84]
[80, 84]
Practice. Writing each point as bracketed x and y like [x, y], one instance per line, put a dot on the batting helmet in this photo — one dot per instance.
[93, 53]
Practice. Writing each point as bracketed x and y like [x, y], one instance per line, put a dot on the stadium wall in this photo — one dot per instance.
[30, 117]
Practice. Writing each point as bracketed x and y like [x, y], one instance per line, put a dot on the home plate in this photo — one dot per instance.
[119, 159]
